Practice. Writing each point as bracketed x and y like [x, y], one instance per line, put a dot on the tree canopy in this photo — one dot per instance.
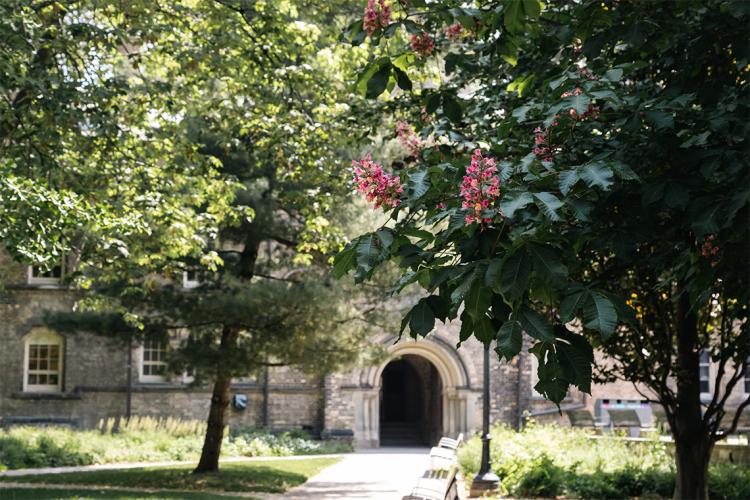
[579, 173]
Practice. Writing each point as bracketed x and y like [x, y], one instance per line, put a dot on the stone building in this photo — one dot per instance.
[425, 388]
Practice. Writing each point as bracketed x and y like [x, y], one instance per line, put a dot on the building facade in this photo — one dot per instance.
[423, 390]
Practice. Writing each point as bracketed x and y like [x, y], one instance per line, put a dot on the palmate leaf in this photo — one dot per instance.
[547, 264]
[535, 324]
[548, 203]
[344, 261]
[514, 202]
[417, 185]
[378, 82]
[509, 339]
[552, 383]
[422, 320]
[572, 303]
[597, 174]
[477, 301]
[566, 180]
[514, 275]
[575, 356]
[600, 314]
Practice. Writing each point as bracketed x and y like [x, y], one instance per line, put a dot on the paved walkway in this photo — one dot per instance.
[379, 474]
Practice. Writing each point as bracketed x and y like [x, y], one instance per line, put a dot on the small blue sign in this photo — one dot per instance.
[239, 401]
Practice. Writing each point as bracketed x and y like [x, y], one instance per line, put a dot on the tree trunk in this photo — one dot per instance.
[209, 461]
[693, 443]
[692, 457]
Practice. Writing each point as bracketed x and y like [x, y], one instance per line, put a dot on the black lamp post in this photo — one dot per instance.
[485, 480]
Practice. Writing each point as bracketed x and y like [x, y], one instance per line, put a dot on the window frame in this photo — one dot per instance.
[188, 283]
[44, 337]
[709, 365]
[44, 280]
[746, 378]
[151, 379]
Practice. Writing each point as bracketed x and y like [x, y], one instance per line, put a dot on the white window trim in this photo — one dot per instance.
[188, 283]
[709, 394]
[44, 337]
[44, 280]
[534, 377]
[148, 379]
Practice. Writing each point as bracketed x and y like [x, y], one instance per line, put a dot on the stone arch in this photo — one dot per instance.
[458, 397]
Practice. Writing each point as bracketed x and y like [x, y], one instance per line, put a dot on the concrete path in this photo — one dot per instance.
[380, 474]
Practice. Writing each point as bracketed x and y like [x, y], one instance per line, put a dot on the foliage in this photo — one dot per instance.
[551, 461]
[66, 493]
[145, 439]
[261, 476]
[618, 137]
[566, 239]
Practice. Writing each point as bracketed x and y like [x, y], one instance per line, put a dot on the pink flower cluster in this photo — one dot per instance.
[591, 112]
[376, 16]
[453, 32]
[480, 188]
[409, 138]
[708, 249]
[377, 185]
[422, 44]
[542, 147]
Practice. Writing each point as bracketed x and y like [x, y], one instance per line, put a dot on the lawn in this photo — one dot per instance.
[275, 476]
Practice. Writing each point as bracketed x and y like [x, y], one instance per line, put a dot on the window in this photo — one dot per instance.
[747, 375]
[37, 276]
[153, 361]
[534, 376]
[704, 366]
[190, 279]
[43, 362]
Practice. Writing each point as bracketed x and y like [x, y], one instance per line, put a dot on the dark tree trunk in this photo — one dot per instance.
[209, 461]
[693, 442]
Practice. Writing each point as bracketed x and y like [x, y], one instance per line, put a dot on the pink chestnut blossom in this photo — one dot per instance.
[480, 188]
[422, 44]
[453, 32]
[377, 185]
[376, 16]
[409, 139]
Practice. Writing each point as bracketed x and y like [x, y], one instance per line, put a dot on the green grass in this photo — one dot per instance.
[71, 494]
[275, 476]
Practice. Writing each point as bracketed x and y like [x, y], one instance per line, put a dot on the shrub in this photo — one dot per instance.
[729, 482]
[144, 439]
[543, 479]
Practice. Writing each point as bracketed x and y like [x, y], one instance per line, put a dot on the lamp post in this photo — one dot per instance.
[485, 480]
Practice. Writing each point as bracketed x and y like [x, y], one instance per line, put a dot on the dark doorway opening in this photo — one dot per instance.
[411, 403]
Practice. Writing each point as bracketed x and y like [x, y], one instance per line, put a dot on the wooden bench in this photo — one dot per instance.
[443, 456]
[437, 484]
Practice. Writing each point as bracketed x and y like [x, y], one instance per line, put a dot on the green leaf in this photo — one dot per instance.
[439, 306]
[547, 264]
[580, 103]
[417, 185]
[512, 17]
[492, 277]
[597, 174]
[344, 261]
[535, 324]
[367, 252]
[572, 303]
[566, 180]
[613, 75]
[509, 339]
[514, 274]
[402, 79]
[483, 330]
[417, 233]
[467, 327]
[532, 8]
[432, 102]
[452, 108]
[513, 202]
[660, 119]
[422, 319]
[600, 314]
[548, 204]
[576, 357]
[477, 301]
[377, 84]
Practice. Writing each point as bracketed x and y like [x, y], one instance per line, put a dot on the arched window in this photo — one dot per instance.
[43, 361]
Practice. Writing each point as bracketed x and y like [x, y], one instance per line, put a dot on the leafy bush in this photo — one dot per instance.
[144, 439]
[549, 461]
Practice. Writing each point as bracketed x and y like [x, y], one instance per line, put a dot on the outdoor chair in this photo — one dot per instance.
[434, 485]
[624, 419]
[583, 419]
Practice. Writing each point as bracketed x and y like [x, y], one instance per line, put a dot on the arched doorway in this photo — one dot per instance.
[411, 402]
